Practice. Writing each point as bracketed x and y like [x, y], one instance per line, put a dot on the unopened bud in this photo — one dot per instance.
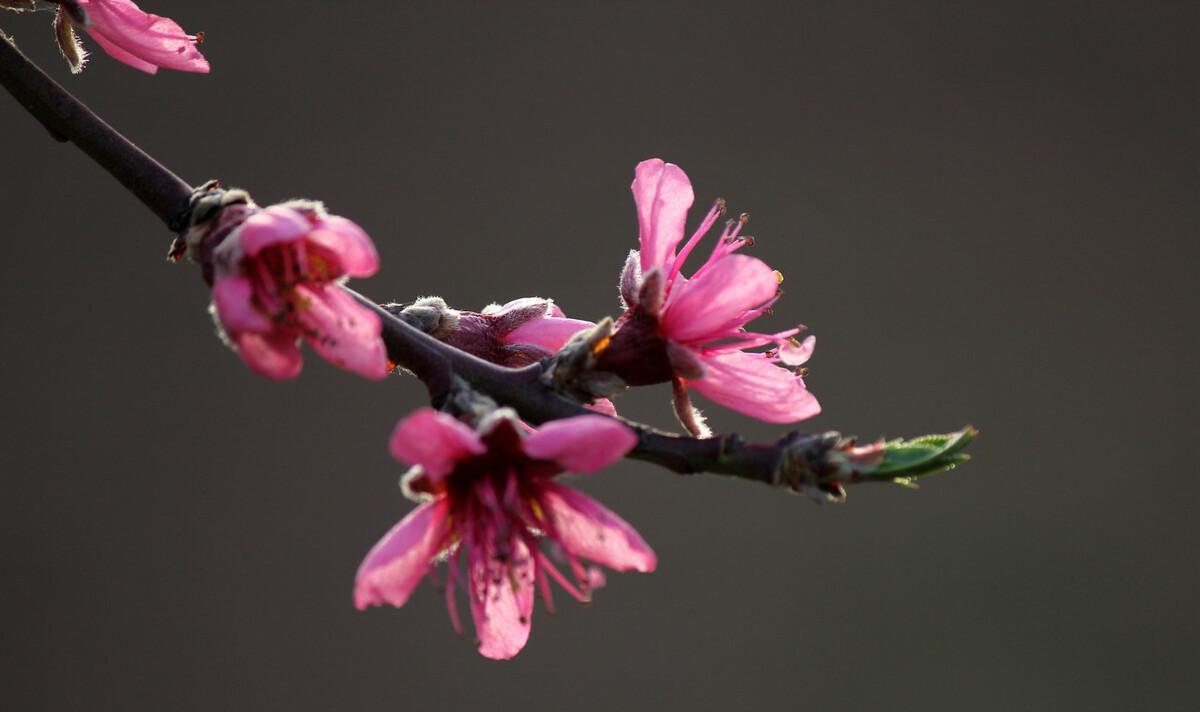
[429, 314]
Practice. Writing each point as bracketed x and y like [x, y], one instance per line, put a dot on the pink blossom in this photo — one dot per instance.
[692, 330]
[276, 279]
[489, 497]
[141, 40]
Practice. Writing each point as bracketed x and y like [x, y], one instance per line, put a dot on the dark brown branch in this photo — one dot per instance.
[165, 193]
[435, 363]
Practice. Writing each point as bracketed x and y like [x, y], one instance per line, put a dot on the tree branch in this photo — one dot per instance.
[68, 119]
[435, 363]
[815, 463]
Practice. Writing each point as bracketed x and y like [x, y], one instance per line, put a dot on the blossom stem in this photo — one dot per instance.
[797, 461]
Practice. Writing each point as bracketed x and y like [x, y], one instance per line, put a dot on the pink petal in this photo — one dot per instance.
[121, 55]
[232, 299]
[344, 332]
[708, 306]
[349, 243]
[663, 194]
[275, 355]
[395, 565]
[603, 406]
[433, 440]
[549, 333]
[151, 39]
[585, 443]
[271, 226]
[586, 528]
[501, 601]
[752, 384]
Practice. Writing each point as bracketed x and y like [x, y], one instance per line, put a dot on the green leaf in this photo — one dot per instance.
[906, 460]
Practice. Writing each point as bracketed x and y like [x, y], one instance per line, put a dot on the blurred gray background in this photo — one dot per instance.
[986, 212]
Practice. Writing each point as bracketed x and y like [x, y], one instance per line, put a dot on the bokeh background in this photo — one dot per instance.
[987, 212]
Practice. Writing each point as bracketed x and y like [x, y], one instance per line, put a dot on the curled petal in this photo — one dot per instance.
[717, 301]
[663, 195]
[585, 528]
[433, 440]
[584, 443]
[395, 565]
[797, 354]
[549, 333]
[349, 243]
[271, 226]
[752, 384]
[501, 600]
[232, 299]
[275, 355]
[343, 331]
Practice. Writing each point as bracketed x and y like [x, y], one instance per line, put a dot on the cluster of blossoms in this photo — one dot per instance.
[489, 504]
[490, 507]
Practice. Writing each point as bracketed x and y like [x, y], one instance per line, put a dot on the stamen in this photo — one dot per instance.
[289, 266]
[562, 580]
[302, 261]
[716, 211]
[511, 493]
[544, 588]
[451, 603]
[578, 570]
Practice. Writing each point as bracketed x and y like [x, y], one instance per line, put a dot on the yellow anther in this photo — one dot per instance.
[778, 277]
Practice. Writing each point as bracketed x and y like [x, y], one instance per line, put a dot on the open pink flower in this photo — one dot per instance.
[276, 279]
[490, 498]
[139, 39]
[692, 330]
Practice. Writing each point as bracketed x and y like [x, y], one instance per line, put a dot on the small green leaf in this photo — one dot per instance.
[906, 460]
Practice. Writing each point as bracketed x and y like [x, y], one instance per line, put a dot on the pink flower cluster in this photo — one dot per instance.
[491, 508]
[490, 502]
